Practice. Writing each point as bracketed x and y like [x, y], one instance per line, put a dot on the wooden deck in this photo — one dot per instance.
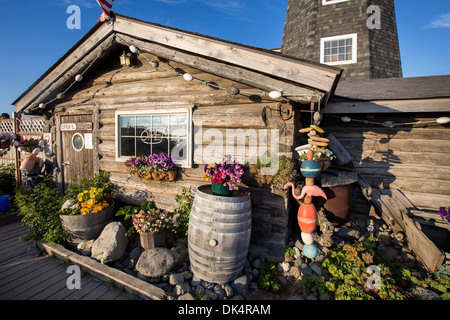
[25, 277]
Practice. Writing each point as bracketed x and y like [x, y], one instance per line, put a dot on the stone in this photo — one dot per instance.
[181, 289]
[229, 292]
[256, 263]
[316, 267]
[295, 272]
[299, 245]
[240, 285]
[186, 296]
[348, 233]
[135, 253]
[85, 247]
[219, 292]
[296, 297]
[324, 296]
[311, 297]
[424, 294]
[33, 251]
[111, 244]
[155, 262]
[285, 266]
[187, 275]
[196, 281]
[176, 278]
[305, 269]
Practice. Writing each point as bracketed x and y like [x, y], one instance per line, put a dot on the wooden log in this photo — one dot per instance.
[426, 251]
[342, 156]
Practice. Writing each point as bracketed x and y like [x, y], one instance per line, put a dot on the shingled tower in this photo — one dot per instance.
[337, 32]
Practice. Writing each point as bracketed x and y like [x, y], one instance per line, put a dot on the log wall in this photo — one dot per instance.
[411, 158]
[144, 87]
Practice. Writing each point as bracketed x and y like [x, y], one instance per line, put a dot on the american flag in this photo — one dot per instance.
[106, 6]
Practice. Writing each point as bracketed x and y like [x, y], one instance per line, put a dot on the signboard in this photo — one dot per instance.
[76, 126]
[88, 141]
[68, 127]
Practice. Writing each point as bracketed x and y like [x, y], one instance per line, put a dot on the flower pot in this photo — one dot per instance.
[339, 203]
[152, 240]
[324, 163]
[87, 226]
[158, 175]
[221, 190]
[172, 174]
[148, 176]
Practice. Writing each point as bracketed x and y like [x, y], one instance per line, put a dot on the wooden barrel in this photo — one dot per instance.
[87, 226]
[219, 235]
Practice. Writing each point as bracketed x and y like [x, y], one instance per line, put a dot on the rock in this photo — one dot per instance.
[228, 291]
[255, 273]
[299, 245]
[298, 254]
[181, 289]
[33, 251]
[311, 297]
[316, 267]
[254, 286]
[296, 297]
[424, 294]
[295, 272]
[85, 247]
[240, 285]
[135, 253]
[212, 296]
[324, 296]
[282, 280]
[256, 264]
[219, 292]
[186, 296]
[196, 281]
[111, 244]
[176, 278]
[305, 269]
[155, 262]
[286, 266]
[187, 275]
[348, 233]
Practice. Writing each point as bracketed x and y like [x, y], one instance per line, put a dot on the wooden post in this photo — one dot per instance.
[16, 118]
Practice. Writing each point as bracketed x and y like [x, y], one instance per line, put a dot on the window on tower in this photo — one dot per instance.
[339, 49]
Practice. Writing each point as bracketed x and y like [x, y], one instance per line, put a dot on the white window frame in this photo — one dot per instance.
[324, 2]
[158, 111]
[353, 36]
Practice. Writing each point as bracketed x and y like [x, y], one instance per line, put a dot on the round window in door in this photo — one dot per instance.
[77, 142]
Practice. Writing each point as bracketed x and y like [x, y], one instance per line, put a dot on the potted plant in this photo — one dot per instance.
[256, 173]
[151, 223]
[288, 170]
[163, 167]
[88, 206]
[5, 141]
[322, 156]
[28, 145]
[139, 166]
[223, 176]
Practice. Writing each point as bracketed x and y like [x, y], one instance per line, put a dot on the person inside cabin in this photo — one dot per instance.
[4, 116]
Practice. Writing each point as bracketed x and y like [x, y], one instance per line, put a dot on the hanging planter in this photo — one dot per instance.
[158, 175]
[172, 174]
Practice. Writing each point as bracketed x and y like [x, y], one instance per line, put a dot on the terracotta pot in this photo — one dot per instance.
[152, 240]
[307, 217]
[339, 203]
[28, 162]
[324, 163]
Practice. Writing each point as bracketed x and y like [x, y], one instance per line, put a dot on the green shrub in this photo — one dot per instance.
[7, 179]
[39, 209]
[267, 278]
[183, 211]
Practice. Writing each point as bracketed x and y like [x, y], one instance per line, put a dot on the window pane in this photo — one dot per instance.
[342, 43]
[327, 52]
[127, 125]
[334, 43]
[178, 149]
[143, 124]
[334, 50]
[341, 50]
[160, 145]
[160, 124]
[142, 148]
[127, 147]
[178, 125]
[348, 42]
[327, 44]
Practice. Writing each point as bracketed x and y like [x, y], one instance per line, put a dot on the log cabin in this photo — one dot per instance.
[208, 94]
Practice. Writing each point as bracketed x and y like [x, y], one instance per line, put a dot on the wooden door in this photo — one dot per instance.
[77, 147]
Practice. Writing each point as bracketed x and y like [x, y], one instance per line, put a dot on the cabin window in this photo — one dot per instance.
[338, 50]
[325, 2]
[144, 133]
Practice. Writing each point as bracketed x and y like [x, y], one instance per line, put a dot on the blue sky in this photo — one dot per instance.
[34, 33]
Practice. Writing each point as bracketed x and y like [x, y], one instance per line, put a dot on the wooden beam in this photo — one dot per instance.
[302, 72]
[387, 106]
[225, 70]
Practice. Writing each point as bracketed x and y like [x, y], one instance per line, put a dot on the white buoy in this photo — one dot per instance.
[443, 120]
[346, 119]
[188, 77]
[133, 49]
[307, 238]
[275, 94]
[78, 77]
